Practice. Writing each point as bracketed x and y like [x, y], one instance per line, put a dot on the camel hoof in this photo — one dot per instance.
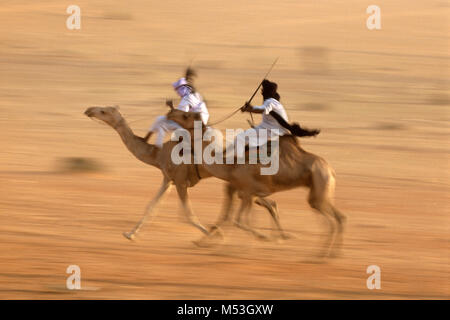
[315, 261]
[213, 228]
[240, 225]
[262, 237]
[336, 253]
[215, 231]
[210, 239]
[288, 236]
[129, 236]
[202, 243]
[323, 254]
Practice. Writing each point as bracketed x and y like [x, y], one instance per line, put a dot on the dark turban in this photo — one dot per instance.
[270, 90]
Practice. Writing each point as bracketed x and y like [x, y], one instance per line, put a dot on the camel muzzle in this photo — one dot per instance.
[89, 112]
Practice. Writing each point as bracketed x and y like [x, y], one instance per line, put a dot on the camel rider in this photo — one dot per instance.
[190, 101]
[270, 105]
[274, 116]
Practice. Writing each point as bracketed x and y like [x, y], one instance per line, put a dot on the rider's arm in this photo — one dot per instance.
[258, 109]
[249, 108]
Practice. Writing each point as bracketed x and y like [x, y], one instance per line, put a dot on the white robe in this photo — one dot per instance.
[268, 122]
[191, 102]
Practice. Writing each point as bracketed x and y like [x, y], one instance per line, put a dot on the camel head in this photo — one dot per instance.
[109, 115]
[184, 119]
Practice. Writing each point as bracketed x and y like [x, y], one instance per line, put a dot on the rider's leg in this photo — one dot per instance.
[161, 126]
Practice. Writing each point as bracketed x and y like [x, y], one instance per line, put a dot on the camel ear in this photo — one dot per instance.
[116, 107]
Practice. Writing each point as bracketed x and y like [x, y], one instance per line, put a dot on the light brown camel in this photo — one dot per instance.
[182, 176]
[297, 168]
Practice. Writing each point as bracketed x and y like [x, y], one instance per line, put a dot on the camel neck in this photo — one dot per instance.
[142, 150]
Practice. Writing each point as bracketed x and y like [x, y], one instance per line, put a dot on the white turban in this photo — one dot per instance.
[179, 83]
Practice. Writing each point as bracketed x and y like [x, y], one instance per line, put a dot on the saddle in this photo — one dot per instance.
[268, 145]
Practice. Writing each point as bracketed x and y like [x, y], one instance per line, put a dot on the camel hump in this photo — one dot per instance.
[284, 140]
[290, 138]
[287, 137]
[288, 142]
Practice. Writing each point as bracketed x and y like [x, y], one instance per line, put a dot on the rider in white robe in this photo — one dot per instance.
[190, 101]
[269, 128]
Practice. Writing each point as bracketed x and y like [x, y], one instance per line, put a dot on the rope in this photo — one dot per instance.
[225, 118]
[209, 124]
[151, 117]
[141, 119]
[253, 122]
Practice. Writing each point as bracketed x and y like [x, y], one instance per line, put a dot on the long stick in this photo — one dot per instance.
[260, 84]
[251, 98]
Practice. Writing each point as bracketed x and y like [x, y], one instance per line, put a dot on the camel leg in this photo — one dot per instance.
[228, 204]
[165, 186]
[340, 219]
[272, 207]
[192, 218]
[244, 210]
[320, 198]
[226, 209]
[324, 209]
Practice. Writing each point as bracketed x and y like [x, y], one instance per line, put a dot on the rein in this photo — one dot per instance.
[209, 124]
[141, 119]
[225, 118]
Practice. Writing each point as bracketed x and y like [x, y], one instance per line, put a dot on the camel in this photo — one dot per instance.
[183, 176]
[297, 168]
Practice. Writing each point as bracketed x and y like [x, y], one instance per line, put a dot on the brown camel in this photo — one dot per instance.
[182, 176]
[297, 168]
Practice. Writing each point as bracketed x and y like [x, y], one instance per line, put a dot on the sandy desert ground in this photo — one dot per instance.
[380, 97]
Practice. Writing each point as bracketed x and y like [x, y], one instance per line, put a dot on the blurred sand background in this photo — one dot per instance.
[380, 97]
